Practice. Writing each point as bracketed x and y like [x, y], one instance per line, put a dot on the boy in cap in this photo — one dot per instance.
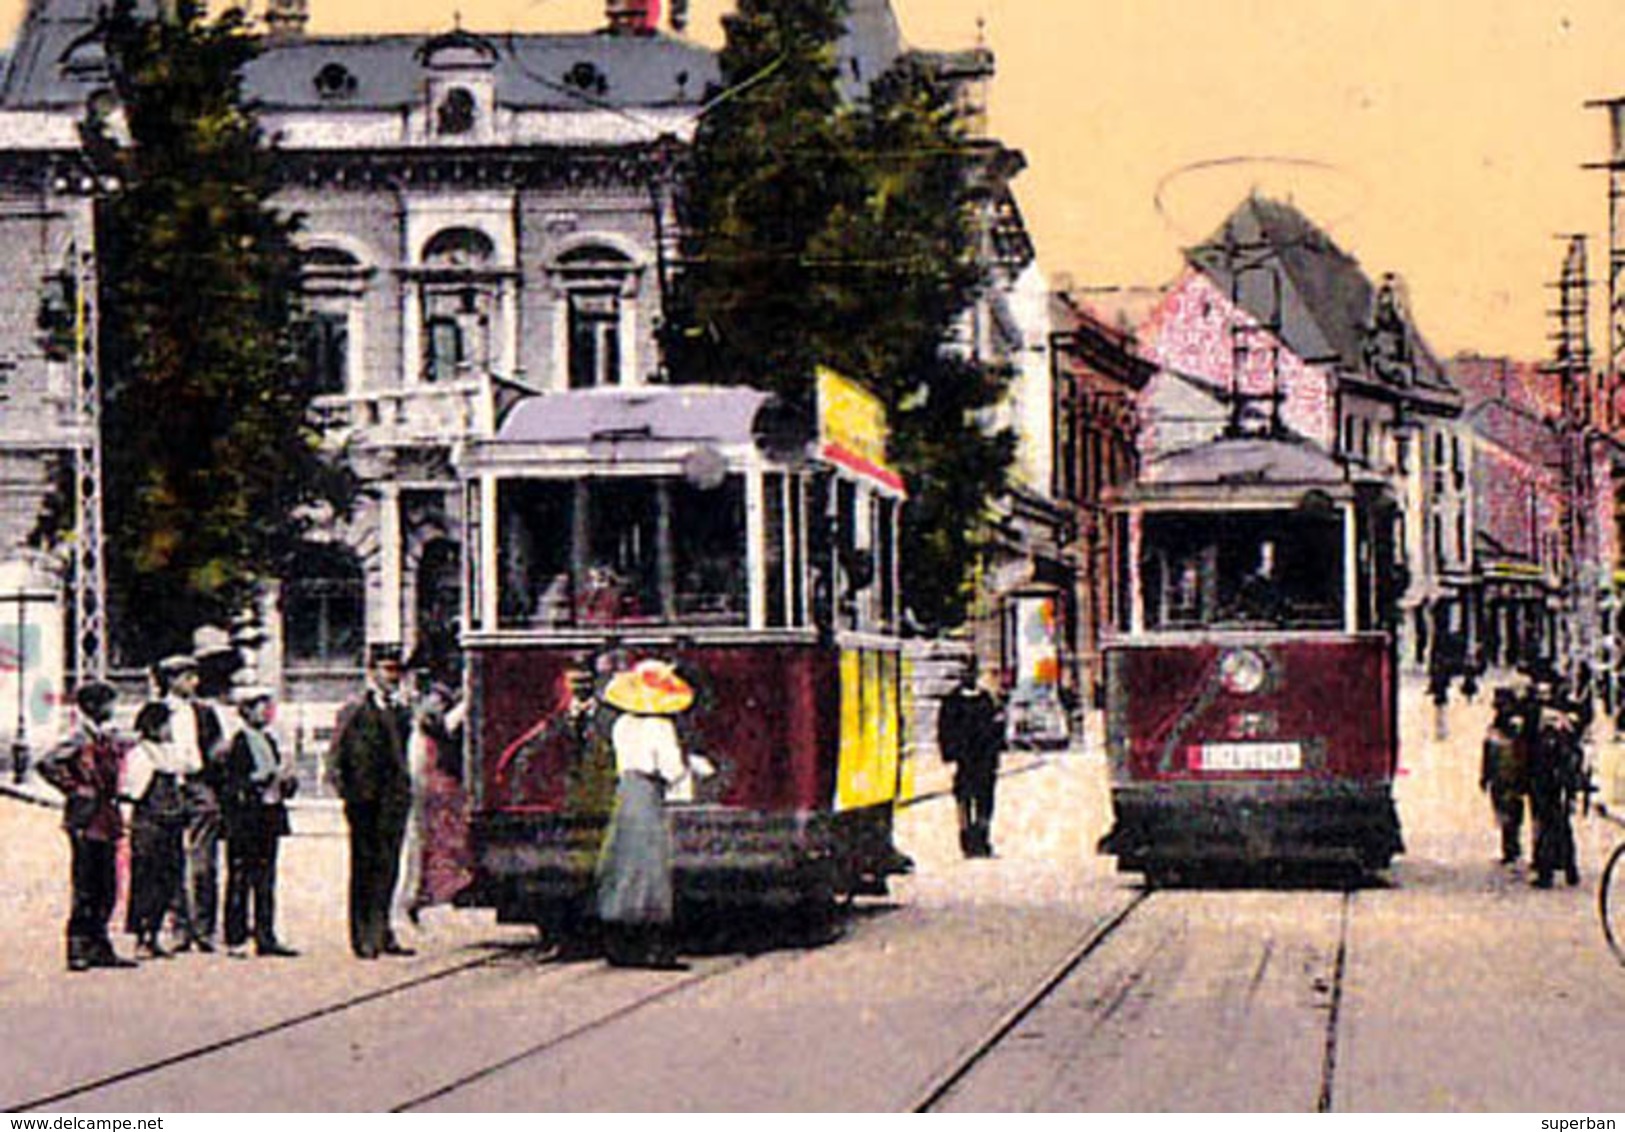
[85, 767]
[255, 782]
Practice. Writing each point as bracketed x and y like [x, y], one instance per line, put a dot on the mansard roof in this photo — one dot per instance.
[532, 70]
[1327, 303]
[563, 71]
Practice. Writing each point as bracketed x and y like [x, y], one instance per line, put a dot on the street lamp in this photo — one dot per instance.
[20, 754]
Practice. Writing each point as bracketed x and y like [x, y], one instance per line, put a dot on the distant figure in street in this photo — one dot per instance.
[85, 767]
[255, 782]
[368, 765]
[1555, 777]
[1504, 773]
[970, 735]
[152, 783]
[197, 738]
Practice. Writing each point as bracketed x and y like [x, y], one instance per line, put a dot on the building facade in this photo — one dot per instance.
[1272, 328]
[484, 217]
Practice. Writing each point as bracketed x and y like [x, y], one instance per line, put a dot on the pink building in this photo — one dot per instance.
[1272, 328]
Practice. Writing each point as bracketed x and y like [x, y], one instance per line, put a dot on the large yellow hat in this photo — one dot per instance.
[650, 687]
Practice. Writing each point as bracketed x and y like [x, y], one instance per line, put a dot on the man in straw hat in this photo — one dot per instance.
[197, 740]
[367, 763]
[634, 873]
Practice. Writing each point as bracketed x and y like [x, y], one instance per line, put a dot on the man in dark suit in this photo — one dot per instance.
[970, 735]
[367, 765]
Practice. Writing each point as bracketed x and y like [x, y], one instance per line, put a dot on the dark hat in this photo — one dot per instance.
[150, 720]
[245, 694]
[95, 694]
[383, 652]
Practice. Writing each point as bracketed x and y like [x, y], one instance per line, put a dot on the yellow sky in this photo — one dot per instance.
[1441, 139]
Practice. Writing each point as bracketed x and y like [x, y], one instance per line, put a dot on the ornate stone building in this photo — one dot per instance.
[484, 216]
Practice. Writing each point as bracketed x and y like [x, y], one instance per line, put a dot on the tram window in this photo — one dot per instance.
[622, 578]
[886, 562]
[1242, 569]
[533, 536]
[603, 552]
[773, 557]
[708, 549]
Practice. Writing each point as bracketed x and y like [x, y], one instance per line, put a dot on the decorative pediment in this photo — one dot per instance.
[458, 50]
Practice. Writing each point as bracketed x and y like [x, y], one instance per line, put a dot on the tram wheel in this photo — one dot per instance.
[1611, 902]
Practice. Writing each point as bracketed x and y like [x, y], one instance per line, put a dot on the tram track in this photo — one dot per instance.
[1144, 979]
[583, 1029]
[204, 1050]
[192, 1058]
[967, 1061]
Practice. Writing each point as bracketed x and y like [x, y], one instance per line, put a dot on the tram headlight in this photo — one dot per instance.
[1242, 671]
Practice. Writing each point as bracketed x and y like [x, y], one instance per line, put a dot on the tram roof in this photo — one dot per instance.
[1232, 465]
[719, 414]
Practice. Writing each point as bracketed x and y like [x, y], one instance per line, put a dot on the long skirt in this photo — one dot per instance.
[634, 871]
[157, 866]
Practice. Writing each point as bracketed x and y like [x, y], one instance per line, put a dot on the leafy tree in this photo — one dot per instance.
[848, 235]
[212, 468]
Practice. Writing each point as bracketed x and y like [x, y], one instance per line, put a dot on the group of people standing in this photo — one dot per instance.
[182, 788]
[194, 778]
[1534, 757]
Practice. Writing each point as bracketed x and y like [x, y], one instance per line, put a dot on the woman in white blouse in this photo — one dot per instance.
[152, 783]
[634, 875]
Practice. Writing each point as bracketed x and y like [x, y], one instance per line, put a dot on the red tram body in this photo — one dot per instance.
[758, 558]
[1252, 689]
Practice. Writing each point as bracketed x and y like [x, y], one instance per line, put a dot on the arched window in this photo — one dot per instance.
[333, 283]
[596, 282]
[323, 612]
[459, 304]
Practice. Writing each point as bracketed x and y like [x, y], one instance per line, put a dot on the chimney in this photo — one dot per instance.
[632, 17]
[286, 19]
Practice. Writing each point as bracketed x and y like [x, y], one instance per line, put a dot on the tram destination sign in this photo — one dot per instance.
[1247, 756]
[852, 428]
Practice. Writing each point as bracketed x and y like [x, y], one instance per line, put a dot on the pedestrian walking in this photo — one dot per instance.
[255, 783]
[1504, 772]
[367, 763]
[1555, 778]
[635, 896]
[197, 738]
[152, 784]
[86, 768]
[970, 736]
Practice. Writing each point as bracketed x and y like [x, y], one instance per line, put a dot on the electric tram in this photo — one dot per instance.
[713, 538]
[1251, 680]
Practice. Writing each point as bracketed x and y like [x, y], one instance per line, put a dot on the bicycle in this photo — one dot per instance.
[1611, 899]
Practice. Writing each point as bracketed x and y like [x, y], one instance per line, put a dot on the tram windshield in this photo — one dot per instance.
[1248, 569]
[595, 552]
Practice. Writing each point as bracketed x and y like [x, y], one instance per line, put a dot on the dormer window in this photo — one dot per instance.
[457, 112]
[587, 77]
[335, 81]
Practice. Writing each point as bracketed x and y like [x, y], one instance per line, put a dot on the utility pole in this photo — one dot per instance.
[1571, 365]
[89, 565]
